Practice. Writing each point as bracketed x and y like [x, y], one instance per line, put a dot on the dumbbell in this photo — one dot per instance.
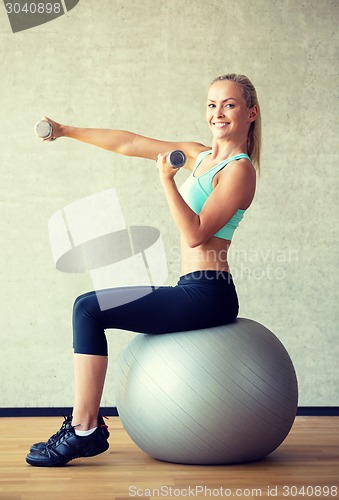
[176, 158]
[43, 129]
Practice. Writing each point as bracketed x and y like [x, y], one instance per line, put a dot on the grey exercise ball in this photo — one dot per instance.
[219, 395]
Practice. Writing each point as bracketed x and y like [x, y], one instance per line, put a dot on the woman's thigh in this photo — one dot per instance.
[197, 301]
[140, 309]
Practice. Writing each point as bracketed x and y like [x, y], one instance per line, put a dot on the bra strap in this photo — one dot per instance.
[238, 157]
[200, 157]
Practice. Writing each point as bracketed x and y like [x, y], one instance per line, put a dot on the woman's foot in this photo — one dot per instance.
[65, 445]
[67, 420]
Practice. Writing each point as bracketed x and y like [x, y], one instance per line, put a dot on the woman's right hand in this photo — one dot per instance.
[57, 129]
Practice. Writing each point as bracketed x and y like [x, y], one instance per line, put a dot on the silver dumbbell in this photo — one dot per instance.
[43, 129]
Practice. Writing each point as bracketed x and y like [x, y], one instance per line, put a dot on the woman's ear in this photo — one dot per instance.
[253, 113]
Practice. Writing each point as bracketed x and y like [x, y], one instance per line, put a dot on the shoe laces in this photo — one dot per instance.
[61, 432]
[66, 422]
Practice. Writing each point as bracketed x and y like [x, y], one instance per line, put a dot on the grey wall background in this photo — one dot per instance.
[145, 66]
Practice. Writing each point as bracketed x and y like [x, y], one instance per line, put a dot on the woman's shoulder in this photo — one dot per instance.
[240, 162]
[195, 150]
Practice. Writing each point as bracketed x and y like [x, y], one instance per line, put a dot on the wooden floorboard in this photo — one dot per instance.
[306, 465]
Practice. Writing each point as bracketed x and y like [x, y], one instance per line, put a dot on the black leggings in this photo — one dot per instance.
[199, 300]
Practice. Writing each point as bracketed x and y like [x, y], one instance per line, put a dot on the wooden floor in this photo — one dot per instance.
[306, 465]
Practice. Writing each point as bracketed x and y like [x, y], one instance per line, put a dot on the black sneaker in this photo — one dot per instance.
[67, 420]
[68, 446]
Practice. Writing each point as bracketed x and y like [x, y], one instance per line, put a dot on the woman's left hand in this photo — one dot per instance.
[165, 170]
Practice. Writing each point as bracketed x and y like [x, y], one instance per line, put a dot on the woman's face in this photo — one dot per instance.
[227, 113]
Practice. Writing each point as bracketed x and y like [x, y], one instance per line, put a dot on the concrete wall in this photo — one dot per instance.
[145, 66]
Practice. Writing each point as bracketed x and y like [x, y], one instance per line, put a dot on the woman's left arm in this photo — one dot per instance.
[235, 189]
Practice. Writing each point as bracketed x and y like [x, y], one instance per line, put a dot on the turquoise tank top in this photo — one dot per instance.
[196, 190]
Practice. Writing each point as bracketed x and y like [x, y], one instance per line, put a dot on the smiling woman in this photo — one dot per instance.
[206, 212]
[249, 95]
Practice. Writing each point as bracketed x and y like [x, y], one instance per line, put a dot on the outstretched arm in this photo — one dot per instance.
[125, 142]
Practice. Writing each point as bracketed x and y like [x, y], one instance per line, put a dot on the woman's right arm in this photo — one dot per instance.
[118, 141]
[125, 142]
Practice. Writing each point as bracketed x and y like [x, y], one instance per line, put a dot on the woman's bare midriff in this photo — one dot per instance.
[211, 255]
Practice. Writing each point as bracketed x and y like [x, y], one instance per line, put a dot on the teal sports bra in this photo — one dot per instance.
[196, 190]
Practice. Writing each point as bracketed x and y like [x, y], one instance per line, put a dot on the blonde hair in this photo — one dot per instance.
[250, 96]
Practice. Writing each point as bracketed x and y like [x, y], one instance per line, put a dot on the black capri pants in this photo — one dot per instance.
[200, 299]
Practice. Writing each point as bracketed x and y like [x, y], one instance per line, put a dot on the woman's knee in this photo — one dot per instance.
[82, 297]
[85, 306]
[88, 332]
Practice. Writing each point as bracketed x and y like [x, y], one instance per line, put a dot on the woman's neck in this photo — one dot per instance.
[226, 149]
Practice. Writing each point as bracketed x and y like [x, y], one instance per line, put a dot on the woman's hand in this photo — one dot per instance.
[57, 129]
[165, 170]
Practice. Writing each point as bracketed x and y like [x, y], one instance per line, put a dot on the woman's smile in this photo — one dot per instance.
[220, 124]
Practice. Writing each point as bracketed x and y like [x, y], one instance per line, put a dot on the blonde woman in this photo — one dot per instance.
[206, 211]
